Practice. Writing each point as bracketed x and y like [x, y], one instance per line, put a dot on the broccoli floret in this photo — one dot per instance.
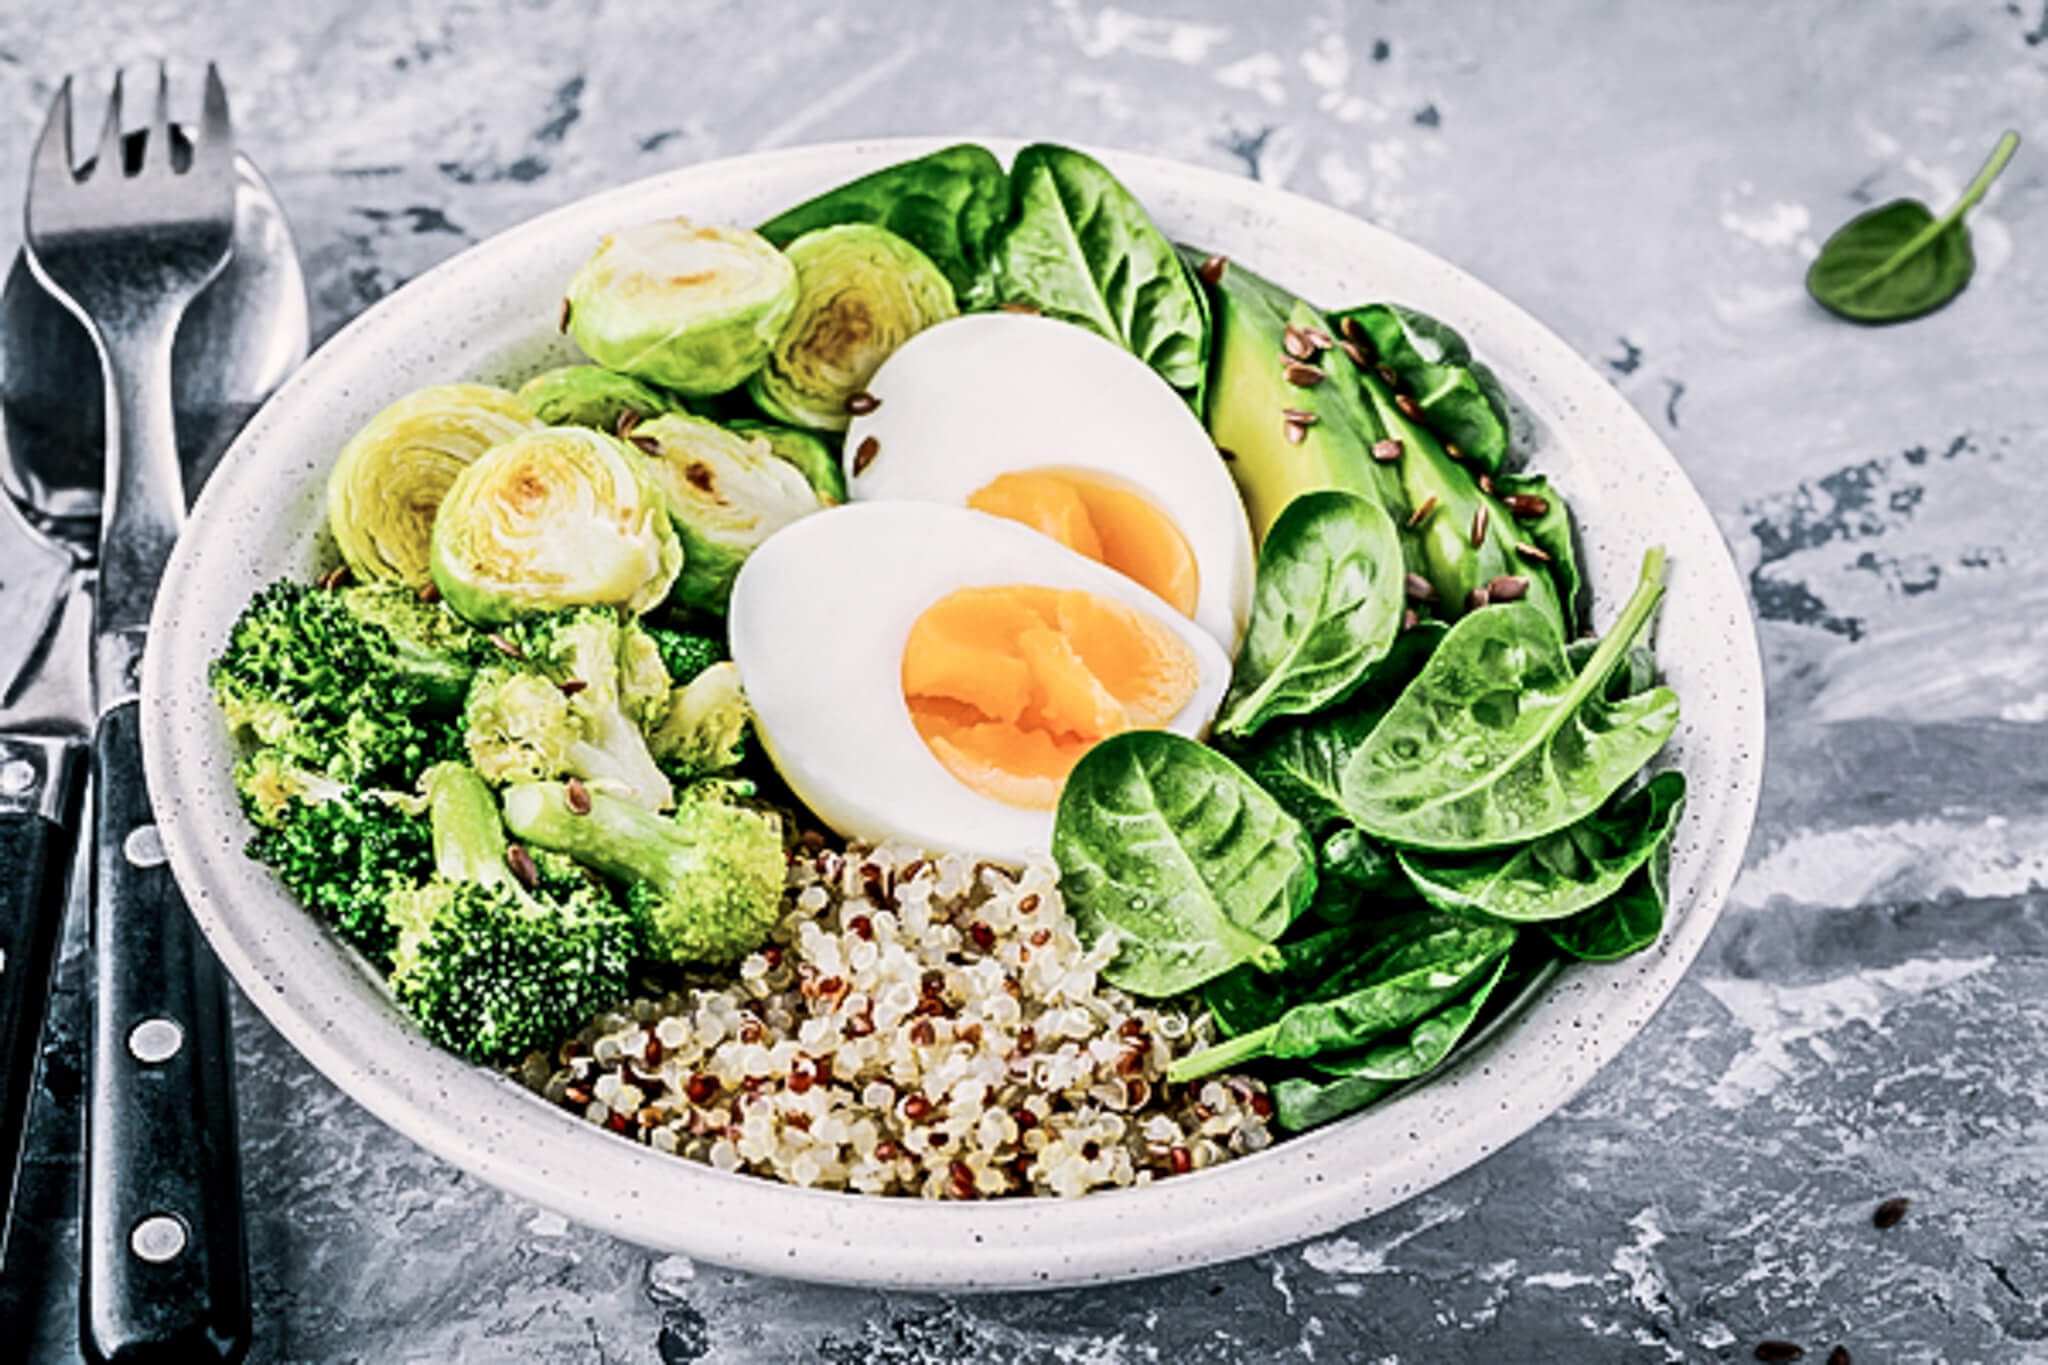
[705, 885]
[706, 726]
[686, 653]
[488, 966]
[342, 851]
[569, 699]
[357, 683]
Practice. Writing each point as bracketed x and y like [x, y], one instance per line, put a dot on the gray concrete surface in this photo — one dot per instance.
[1871, 1018]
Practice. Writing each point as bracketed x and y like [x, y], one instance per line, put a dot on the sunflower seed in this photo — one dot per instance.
[1422, 511]
[576, 796]
[1476, 599]
[1890, 1213]
[627, 421]
[1301, 415]
[1420, 589]
[1387, 450]
[1410, 409]
[505, 646]
[1302, 376]
[1507, 588]
[430, 592]
[522, 865]
[1357, 353]
[1296, 343]
[1535, 552]
[562, 322]
[860, 402]
[1296, 433]
[1318, 338]
[646, 444]
[1527, 506]
[1410, 619]
[864, 454]
[1017, 306]
[1479, 528]
[569, 687]
[1485, 480]
[1354, 333]
[334, 577]
[1211, 271]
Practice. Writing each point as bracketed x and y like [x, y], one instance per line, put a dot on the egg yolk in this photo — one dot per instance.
[1009, 686]
[1110, 525]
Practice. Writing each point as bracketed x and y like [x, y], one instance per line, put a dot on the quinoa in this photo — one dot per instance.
[916, 1025]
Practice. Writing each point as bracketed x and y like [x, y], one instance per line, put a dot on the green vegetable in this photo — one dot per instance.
[684, 653]
[1560, 874]
[705, 886]
[1460, 399]
[1078, 246]
[1190, 862]
[726, 494]
[1360, 1078]
[948, 205]
[522, 725]
[1465, 539]
[388, 482]
[1319, 964]
[592, 396]
[862, 291]
[332, 690]
[491, 968]
[1550, 531]
[1326, 607]
[1497, 741]
[559, 517]
[706, 722]
[1352, 870]
[1626, 922]
[421, 642]
[816, 461]
[340, 849]
[1898, 261]
[1401, 988]
[686, 306]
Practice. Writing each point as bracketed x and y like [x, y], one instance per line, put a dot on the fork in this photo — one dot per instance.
[165, 1268]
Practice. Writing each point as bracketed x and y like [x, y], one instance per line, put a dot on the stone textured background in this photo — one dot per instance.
[1871, 1018]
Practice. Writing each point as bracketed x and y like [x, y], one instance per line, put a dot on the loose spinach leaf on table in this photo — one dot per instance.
[1460, 399]
[1364, 1002]
[949, 205]
[1550, 531]
[1077, 245]
[1558, 875]
[1898, 261]
[1326, 607]
[1626, 922]
[1498, 741]
[1194, 866]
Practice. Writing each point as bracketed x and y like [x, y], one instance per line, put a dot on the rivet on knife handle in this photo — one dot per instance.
[165, 1265]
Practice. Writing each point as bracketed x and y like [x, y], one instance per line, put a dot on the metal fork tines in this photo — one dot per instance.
[126, 254]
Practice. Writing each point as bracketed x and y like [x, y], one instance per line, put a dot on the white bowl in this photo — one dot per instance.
[490, 314]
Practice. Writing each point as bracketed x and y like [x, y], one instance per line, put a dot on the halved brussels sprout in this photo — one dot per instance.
[727, 493]
[688, 306]
[389, 480]
[558, 517]
[592, 396]
[817, 461]
[862, 292]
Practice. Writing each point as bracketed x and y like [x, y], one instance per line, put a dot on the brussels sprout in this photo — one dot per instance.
[863, 291]
[390, 478]
[690, 307]
[592, 396]
[558, 517]
[726, 493]
[818, 462]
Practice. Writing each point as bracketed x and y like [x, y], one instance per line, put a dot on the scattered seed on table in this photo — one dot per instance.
[1890, 1212]
[1420, 589]
[864, 454]
[1422, 511]
[860, 402]
[1386, 450]
[1302, 376]
[1479, 528]
[1211, 271]
[1778, 1350]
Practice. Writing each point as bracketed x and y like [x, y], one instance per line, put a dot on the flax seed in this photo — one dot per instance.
[860, 402]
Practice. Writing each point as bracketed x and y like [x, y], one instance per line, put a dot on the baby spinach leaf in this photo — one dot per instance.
[1625, 923]
[1194, 866]
[1560, 874]
[949, 205]
[1300, 1104]
[1459, 398]
[1636, 673]
[1359, 1004]
[1898, 261]
[1352, 871]
[1551, 533]
[1498, 741]
[1325, 963]
[1325, 608]
[1421, 1047]
[1077, 245]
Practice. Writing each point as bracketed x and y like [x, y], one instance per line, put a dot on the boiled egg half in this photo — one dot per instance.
[932, 673]
[1045, 423]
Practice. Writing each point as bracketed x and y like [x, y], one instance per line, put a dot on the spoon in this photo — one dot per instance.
[238, 341]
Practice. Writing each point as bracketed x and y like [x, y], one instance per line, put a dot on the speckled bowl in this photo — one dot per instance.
[490, 314]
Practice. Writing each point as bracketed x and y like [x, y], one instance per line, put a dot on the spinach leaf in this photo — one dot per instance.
[1459, 398]
[1560, 874]
[1165, 841]
[1352, 871]
[1300, 1104]
[1550, 531]
[1077, 245]
[1326, 606]
[949, 205]
[1420, 1048]
[1497, 741]
[1390, 993]
[1636, 673]
[1625, 923]
[1326, 963]
[1898, 261]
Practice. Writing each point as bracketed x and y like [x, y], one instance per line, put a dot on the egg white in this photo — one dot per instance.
[993, 393]
[818, 622]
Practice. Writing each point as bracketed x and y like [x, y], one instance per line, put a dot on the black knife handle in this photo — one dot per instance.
[166, 1269]
[35, 852]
